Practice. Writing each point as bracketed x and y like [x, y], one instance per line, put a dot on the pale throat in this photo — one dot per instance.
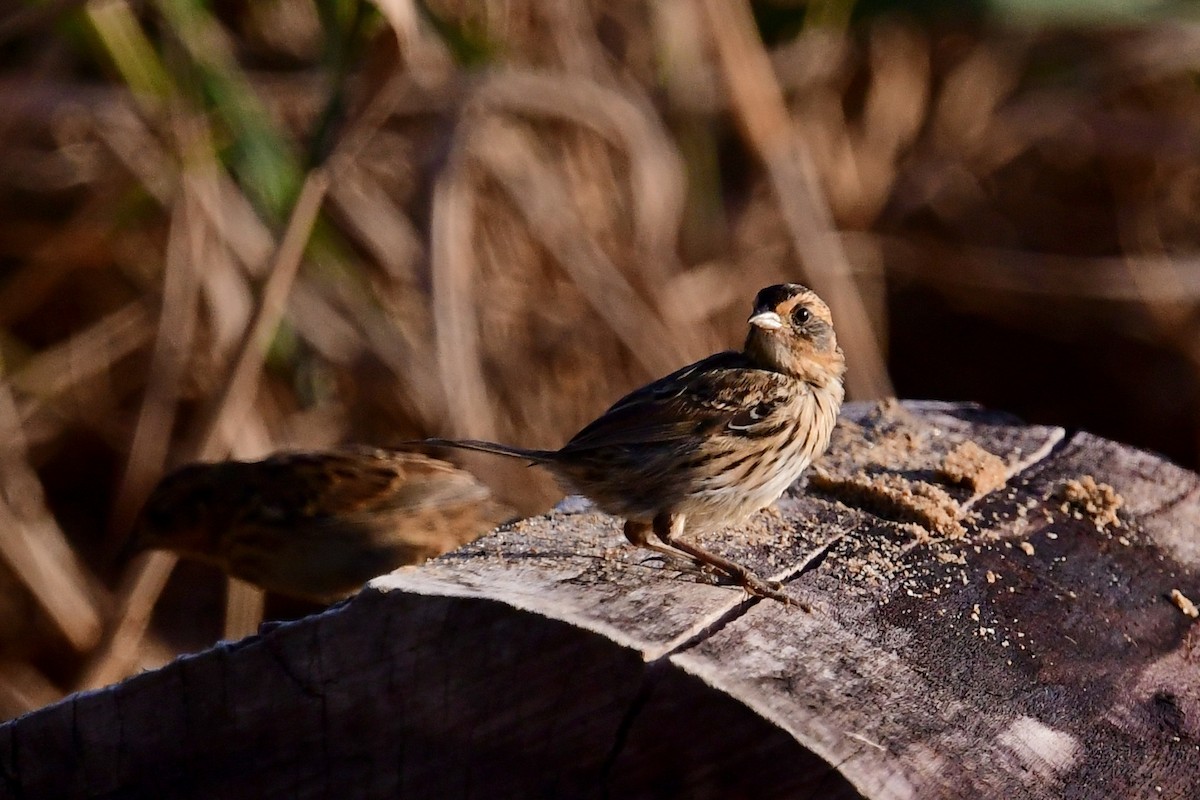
[772, 351]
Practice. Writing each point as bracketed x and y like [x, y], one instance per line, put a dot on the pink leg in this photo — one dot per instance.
[669, 529]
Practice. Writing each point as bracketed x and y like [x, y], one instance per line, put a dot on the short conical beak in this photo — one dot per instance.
[767, 320]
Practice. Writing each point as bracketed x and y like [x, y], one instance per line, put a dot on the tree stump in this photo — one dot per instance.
[998, 610]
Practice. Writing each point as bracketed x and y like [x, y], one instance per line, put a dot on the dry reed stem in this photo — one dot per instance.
[148, 449]
[50, 576]
[758, 104]
[120, 127]
[23, 688]
[34, 546]
[546, 204]
[234, 220]
[453, 268]
[331, 333]
[244, 604]
[140, 587]
[573, 32]
[237, 395]
[428, 58]
[399, 339]
[630, 124]
[92, 351]
[414, 363]
[237, 225]
[384, 229]
[544, 201]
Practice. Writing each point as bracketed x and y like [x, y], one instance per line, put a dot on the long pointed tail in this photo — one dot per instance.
[535, 456]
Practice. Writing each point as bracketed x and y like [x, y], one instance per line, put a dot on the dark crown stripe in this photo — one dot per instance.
[772, 297]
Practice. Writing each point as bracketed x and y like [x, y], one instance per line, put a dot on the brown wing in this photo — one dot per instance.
[723, 394]
[353, 481]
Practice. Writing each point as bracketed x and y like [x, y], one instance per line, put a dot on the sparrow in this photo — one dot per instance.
[707, 446]
[316, 525]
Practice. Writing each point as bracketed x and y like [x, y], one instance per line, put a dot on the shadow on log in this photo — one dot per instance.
[998, 611]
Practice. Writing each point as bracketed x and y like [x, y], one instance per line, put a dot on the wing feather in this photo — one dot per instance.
[724, 394]
[357, 481]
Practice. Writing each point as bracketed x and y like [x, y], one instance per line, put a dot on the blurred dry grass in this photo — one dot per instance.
[288, 224]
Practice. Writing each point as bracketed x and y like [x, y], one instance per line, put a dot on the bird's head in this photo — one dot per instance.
[179, 514]
[791, 331]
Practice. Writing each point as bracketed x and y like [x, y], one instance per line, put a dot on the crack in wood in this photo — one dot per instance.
[11, 768]
[651, 677]
[730, 615]
[272, 647]
[1167, 506]
[813, 561]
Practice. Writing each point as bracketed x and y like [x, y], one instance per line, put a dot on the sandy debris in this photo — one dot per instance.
[895, 497]
[1185, 605]
[1099, 501]
[906, 472]
[972, 466]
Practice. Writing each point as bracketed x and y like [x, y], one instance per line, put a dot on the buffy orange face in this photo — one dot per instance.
[791, 331]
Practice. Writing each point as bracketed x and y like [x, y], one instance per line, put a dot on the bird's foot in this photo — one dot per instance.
[772, 590]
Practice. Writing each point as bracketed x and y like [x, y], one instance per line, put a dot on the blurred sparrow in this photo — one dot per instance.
[716, 441]
[316, 525]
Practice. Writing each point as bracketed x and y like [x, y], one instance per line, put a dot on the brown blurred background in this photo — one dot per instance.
[237, 227]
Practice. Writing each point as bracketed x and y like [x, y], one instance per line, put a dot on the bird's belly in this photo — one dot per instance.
[730, 503]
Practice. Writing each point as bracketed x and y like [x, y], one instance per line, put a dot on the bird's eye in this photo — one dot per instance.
[800, 315]
[159, 516]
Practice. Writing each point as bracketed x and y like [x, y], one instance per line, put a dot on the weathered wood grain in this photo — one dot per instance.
[1030, 652]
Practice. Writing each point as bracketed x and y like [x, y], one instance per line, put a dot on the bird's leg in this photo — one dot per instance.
[638, 534]
[669, 529]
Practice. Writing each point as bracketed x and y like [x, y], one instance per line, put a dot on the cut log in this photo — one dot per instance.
[998, 610]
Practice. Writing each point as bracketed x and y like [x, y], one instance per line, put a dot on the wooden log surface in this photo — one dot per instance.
[987, 621]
